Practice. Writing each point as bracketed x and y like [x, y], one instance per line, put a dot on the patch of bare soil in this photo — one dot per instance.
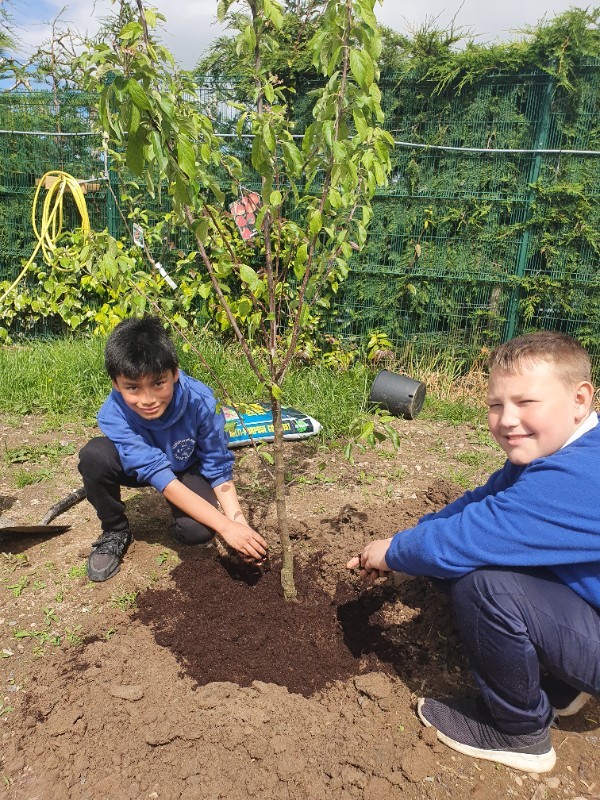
[186, 676]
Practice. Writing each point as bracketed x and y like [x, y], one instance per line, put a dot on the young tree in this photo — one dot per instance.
[289, 55]
[314, 202]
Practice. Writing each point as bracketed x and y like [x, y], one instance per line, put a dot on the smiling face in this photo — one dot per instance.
[150, 395]
[532, 413]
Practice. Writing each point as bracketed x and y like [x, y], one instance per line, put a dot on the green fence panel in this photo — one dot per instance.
[490, 224]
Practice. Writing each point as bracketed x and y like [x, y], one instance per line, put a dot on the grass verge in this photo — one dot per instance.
[65, 379]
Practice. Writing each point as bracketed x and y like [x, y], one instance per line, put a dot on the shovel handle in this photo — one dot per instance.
[65, 503]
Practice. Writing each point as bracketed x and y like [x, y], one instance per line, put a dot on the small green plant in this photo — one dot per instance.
[5, 709]
[24, 477]
[379, 348]
[124, 601]
[49, 617]
[110, 633]
[472, 458]
[73, 636]
[13, 562]
[365, 478]
[59, 596]
[312, 480]
[370, 430]
[38, 584]
[386, 455]
[26, 453]
[460, 478]
[397, 474]
[18, 587]
[78, 571]
[162, 558]
[42, 637]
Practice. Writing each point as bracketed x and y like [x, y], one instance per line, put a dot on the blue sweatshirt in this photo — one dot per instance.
[190, 431]
[546, 513]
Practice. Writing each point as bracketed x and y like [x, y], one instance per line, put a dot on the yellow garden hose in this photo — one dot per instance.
[56, 182]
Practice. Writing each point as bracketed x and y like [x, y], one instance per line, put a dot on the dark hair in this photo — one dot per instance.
[569, 359]
[139, 347]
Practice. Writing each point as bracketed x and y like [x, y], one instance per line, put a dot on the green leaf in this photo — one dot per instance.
[269, 92]
[275, 16]
[316, 223]
[135, 154]
[200, 228]
[135, 119]
[276, 392]
[293, 156]
[276, 198]
[362, 68]
[244, 307]
[268, 136]
[186, 156]
[138, 95]
[249, 276]
[361, 125]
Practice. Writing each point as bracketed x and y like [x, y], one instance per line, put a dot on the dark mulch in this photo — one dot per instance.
[255, 635]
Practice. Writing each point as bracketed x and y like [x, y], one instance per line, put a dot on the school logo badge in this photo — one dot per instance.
[183, 449]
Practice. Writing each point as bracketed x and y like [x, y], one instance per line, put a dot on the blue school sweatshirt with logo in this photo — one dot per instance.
[189, 432]
[546, 513]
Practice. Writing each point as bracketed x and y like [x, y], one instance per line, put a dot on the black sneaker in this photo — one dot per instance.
[107, 551]
[565, 699]
[466, 725]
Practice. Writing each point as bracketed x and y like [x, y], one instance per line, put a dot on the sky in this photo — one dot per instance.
[191, 24]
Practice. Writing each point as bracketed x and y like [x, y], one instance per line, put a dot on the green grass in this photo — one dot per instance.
[456, 412]
[61, 377]
[25, 453]
[65, 380]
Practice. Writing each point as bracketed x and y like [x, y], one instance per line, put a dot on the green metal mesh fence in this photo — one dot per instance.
[481, 234]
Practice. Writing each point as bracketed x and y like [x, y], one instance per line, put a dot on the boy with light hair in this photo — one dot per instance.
[521, 558]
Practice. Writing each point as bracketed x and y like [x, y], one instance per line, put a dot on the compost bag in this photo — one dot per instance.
[256, 420]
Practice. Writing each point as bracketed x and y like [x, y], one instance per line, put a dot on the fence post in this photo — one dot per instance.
[541, 139]
[111, 207]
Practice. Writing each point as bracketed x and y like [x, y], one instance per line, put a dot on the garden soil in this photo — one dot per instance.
[187, 677]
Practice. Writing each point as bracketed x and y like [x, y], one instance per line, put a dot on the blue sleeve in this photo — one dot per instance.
[495, 483]
[549, 516]
[216, 460]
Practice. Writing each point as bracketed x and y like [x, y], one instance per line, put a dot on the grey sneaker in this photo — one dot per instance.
[107, 551]
[565, 699]
[466, 725]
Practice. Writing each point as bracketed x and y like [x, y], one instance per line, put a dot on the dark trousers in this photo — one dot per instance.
[103, 476]
[514, 621]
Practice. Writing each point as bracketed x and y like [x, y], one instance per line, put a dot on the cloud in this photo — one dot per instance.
[191, 24]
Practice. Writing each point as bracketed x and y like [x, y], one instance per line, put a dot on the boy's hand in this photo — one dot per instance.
[371, 561]
[247, 542]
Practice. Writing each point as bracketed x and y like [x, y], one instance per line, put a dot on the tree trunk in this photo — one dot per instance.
[287, 568]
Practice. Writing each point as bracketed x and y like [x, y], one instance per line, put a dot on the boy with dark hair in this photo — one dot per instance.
[161, 429]
[521, 558]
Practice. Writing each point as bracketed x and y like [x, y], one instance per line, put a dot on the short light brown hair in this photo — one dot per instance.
[570, 360]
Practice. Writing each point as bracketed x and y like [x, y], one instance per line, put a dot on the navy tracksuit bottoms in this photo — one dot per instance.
[512, 623]
[103, 476]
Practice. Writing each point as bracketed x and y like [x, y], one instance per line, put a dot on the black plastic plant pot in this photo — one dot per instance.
[400, 395]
